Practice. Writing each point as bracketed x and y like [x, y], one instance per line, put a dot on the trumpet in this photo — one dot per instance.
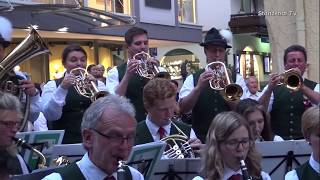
[85, 87]
[178, 146]
[291, 79]
[220, 81]
[23, 144]
[146, 69]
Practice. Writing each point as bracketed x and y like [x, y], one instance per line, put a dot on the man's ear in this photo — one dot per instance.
[87, 138]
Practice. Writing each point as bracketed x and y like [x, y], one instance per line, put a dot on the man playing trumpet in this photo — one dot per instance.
[124, 79]
[196, 94]
[287, 106]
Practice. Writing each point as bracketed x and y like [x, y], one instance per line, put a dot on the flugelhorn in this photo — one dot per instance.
[220, 81]
[291, 79]
[86, 87]
[146, 69]
[178, 146]
[33, 45]
[23, 144]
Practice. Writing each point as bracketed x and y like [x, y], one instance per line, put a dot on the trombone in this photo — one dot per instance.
[291, 79]
[85, 87]
[220, 81]
[146, 69]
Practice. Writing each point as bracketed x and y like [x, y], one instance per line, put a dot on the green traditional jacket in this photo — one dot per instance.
[144, 136]
[209, 104]
[287, 109]
[134, 92]
[305, 171]
[71, 118]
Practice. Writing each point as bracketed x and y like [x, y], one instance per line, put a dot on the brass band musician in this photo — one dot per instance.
[196, 94]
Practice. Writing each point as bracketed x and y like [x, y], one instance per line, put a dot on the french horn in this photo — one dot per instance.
[291, 79]
[220, 81]
[146, 69]
[86, 87]
[178, 146]
[31, 46]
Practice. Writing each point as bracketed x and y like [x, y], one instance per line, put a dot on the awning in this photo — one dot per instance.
[55, 16]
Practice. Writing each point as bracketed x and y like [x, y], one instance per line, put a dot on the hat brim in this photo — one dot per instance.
[216, 43]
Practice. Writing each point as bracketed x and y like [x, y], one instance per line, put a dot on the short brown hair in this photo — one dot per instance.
[71, 48]
[158, 89]
[132, 32]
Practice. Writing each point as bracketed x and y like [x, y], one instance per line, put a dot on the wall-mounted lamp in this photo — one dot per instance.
[63, 29]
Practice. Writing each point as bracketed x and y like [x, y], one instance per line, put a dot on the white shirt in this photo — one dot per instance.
[188, 85]
[112, 80]
[153, 128]
[41, 123]
[248, 94]
[35, 103]
[92, 172]
[316, 89]
[229, 172]
[292, 175]
[23, 165]
[53, 99]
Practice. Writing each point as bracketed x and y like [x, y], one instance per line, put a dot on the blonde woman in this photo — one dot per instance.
[228, 141]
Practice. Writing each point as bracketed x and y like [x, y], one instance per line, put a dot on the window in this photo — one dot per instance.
[187, 11]
[115, 6]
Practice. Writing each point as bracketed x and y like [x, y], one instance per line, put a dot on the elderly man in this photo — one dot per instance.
[10, 116]
[108, 131]
[252, 90]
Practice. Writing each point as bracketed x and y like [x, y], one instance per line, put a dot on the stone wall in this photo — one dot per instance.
[293, 22]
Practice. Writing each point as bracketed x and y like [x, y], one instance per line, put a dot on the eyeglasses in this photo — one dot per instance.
[116, 138]
[234, 144]
[9, 124]
[138, 43]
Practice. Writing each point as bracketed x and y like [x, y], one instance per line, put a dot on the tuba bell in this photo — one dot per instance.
[86, 87]
[220, 81]
[291, 79]
[146, 69]
[30, 47]
[178, 146]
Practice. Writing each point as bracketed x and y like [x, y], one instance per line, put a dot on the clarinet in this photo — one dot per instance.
[121, 172]
[244, 170]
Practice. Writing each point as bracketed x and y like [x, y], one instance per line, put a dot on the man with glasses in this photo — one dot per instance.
[197, 97]
[124, 80]
[10, 116]
[108, 130]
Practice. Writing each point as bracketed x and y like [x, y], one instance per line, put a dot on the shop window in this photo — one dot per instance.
[187, 11]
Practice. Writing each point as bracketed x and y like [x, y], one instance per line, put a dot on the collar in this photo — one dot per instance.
[90, 170]
[314, 164]
[153, 128]
[227, 173]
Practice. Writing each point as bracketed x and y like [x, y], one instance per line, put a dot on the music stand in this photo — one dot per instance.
[282, 156]
[145, 157]
[73, 152]
[181, 169]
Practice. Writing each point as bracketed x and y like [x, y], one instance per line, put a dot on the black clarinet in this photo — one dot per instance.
[244, 170]
[121, 172]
